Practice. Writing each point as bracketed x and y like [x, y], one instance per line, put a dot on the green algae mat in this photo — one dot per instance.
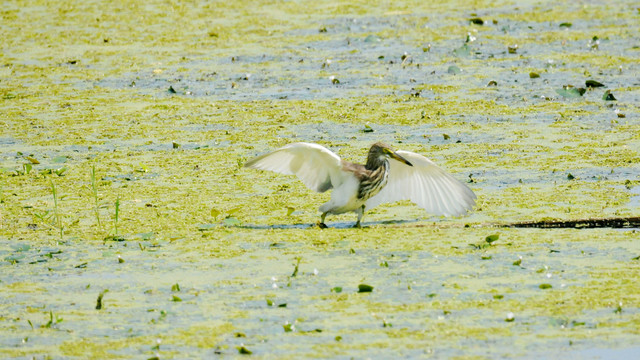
[130, 229]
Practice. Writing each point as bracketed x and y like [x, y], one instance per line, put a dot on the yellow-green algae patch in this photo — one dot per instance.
[205, 335]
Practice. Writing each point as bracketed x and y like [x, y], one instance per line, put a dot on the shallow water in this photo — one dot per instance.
[204, 256]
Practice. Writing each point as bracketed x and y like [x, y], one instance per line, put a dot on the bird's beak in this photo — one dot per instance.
[399, 158]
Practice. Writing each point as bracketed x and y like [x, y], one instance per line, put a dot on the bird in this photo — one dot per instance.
[388, 176]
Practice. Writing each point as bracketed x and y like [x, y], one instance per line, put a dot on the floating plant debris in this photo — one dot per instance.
[99, 305]
[593, 84]
[492, 238]
[454, 70]
[569, 91]
[608, 96]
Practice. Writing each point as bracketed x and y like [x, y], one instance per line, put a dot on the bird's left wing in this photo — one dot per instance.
[425, 184]
[318, 167]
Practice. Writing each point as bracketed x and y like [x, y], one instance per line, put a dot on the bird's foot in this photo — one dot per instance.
[322, 225]
[357, 226]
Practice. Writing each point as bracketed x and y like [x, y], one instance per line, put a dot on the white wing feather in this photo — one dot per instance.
[425, 184]
[318, 167]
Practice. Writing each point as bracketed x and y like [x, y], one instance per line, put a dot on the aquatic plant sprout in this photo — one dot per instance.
[56, 213]
[94, 192]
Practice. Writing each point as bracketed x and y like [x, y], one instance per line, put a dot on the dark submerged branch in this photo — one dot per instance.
[617, 223]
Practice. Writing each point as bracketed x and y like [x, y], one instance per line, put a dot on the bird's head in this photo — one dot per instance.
[380, 152]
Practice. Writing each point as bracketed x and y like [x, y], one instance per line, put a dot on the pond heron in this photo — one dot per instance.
[388, 176]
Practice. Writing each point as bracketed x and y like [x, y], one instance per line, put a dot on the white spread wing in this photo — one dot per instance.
[317, 167]
[425, 184]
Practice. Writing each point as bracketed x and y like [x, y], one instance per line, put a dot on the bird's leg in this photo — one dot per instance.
[321, 224]
[360, 212]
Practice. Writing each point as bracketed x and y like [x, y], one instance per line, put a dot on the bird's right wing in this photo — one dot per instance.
[317, 167]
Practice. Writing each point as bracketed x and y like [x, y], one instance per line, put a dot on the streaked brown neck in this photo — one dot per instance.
[375, 180]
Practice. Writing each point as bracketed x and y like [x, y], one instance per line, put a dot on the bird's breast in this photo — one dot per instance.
[372, 185]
